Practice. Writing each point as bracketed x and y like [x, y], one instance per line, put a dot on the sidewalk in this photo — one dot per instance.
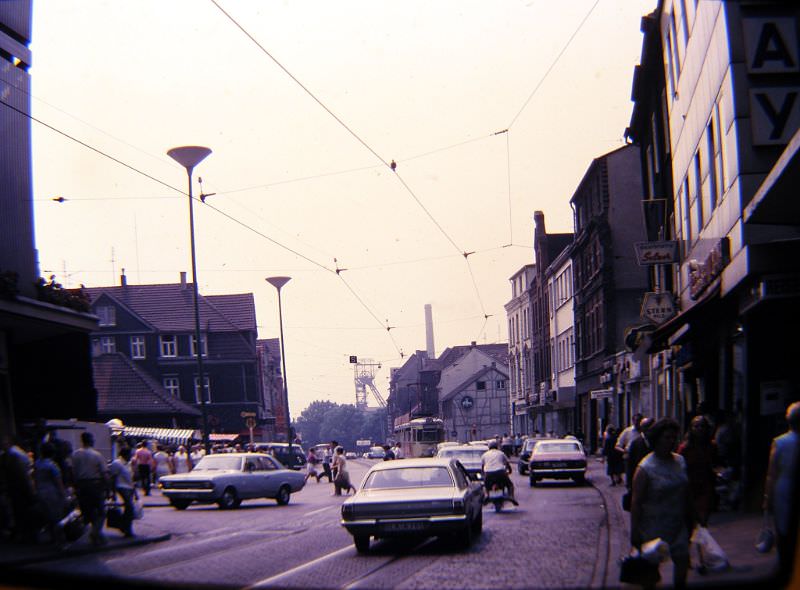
[18, 554]
[734, 531]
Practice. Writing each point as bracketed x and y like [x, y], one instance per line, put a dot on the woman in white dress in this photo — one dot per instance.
[181, 462]
[342, 479]
[163, 463]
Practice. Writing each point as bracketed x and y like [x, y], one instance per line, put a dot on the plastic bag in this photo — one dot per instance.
[655, 551]
[707, 551]
[138, 509]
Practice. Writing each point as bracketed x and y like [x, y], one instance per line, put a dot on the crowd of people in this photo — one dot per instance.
[673, 482]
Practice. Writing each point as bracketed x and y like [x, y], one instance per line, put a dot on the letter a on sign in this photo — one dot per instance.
[771, 45]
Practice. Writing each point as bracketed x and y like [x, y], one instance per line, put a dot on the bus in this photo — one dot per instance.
[419, 437]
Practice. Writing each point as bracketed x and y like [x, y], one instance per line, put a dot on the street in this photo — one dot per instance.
[557, 537]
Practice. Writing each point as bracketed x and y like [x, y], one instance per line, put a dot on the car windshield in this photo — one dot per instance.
[409, 477]
[218, 463]
[529, 444]
[558, 447]
[462, 454]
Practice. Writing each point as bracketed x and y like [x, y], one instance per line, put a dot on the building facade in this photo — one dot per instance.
[520, 368]
[153, 326]
[731, 75]
[608, 285]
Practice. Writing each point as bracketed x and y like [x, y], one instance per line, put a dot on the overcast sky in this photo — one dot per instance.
[301, 173]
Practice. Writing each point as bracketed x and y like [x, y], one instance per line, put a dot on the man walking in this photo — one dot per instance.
[91, 485]
[144, 463]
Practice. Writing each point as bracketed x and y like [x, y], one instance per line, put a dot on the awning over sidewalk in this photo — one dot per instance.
[219, 437]
[177, 436]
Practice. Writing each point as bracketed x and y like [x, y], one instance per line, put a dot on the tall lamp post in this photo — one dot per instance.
[190, 156]
[279, 282]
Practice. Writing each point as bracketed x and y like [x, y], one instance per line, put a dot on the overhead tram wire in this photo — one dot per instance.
[555, 61]
[226, 215]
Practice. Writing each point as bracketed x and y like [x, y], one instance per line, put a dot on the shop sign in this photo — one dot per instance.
[601, 393]
[702, 274]
[363, 442]
[658, 307]
[663, 252]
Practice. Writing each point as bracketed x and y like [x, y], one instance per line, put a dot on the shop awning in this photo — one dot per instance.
[177, 436]
[219, 437]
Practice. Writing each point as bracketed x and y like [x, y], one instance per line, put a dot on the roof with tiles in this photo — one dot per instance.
[170, 307]
[499, 352]
[123, 388]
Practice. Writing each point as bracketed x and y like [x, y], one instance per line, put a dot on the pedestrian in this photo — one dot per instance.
[398, 451]
[311, 465]
[637, 450]
[50, 490]
[627, 436]
[16, 473]
[121, 477]
[181, 461]
[333, 447]
[196, 454]
[613, 456]
[700, 454]
[163, 463]
[143, 464]
[388, 453]
[341, 480]
[780, 495]
[506, 445]
[327, 457]
[91, 485]
[659, 502]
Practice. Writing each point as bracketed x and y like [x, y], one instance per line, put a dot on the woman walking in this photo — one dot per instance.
[700, 454]
[311, 465]
[615, 465]
[342, 479]
[181, 461]
[163, 463]
[121, 475]
[659, 503]
[50, 490]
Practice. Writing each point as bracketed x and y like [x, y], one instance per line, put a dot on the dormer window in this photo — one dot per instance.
[107, 315]
[169, 345]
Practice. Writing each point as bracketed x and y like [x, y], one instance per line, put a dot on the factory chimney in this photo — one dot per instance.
[429, 332]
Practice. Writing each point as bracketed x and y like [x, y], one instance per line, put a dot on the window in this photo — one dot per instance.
[107, 315]
[173, 386]
[501, 384]
[197, 389]
[480, 385]
[203, 344]
[169, 345]
[698, 189]
[137, 347]
[712, 165]
[108, 345]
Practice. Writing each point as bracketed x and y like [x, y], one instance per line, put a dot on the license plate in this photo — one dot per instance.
[404, 526]
[559, 464]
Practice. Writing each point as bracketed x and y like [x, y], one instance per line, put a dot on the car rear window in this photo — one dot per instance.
[409, 477]
[218, 463]
[466, 454]
[558, 447]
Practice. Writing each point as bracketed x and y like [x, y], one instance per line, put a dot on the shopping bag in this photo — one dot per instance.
[138, 509]
[710, 554]
[72, 525]
[635, 569]
[655, 551]
[766, 537]
[114, 517]
[626, 501]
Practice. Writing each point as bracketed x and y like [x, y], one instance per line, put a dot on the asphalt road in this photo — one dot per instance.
[557, 537]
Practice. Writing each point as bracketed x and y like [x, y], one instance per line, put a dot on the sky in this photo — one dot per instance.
[491, 111]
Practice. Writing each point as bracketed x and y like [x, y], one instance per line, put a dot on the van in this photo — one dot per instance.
[280, 451]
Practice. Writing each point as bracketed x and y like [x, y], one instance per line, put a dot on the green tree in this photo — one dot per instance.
[310, 421]
[343, 424]
[375, 426]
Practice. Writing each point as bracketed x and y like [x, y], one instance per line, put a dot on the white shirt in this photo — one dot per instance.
[494, 460]
[398, 452]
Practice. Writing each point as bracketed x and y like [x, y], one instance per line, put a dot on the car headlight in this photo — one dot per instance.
[166, 484]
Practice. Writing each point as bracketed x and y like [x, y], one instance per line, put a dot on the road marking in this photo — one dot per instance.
[309, 564]
[313, 512]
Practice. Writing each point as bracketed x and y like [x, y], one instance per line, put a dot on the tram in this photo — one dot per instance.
[419, 437]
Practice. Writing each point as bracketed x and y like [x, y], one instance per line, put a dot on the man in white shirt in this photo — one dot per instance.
[398, 451]
[496, 468]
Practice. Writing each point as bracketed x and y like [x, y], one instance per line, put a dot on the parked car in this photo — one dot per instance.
[557, 459]
[280, 451]
[525, 453]
[229, 478]
[468, 455]
[375, 453]
[417, 497]
[350, 455]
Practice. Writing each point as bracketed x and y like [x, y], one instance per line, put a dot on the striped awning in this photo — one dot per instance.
[219, 437]
[177, 436]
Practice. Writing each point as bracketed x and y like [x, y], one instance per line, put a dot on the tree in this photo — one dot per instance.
[309, 423]
[375, 426]
[343, 424]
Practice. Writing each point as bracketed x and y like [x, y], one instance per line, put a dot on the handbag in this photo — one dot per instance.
[635, 569]
[114, 517]
[626, 501]
[765, 540]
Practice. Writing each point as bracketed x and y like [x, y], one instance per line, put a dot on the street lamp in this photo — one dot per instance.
[190, 156]
[279, 282]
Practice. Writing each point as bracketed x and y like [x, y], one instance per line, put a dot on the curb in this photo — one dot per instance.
[54, 555]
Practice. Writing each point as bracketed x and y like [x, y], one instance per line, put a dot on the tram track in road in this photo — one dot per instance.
[599, 575]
